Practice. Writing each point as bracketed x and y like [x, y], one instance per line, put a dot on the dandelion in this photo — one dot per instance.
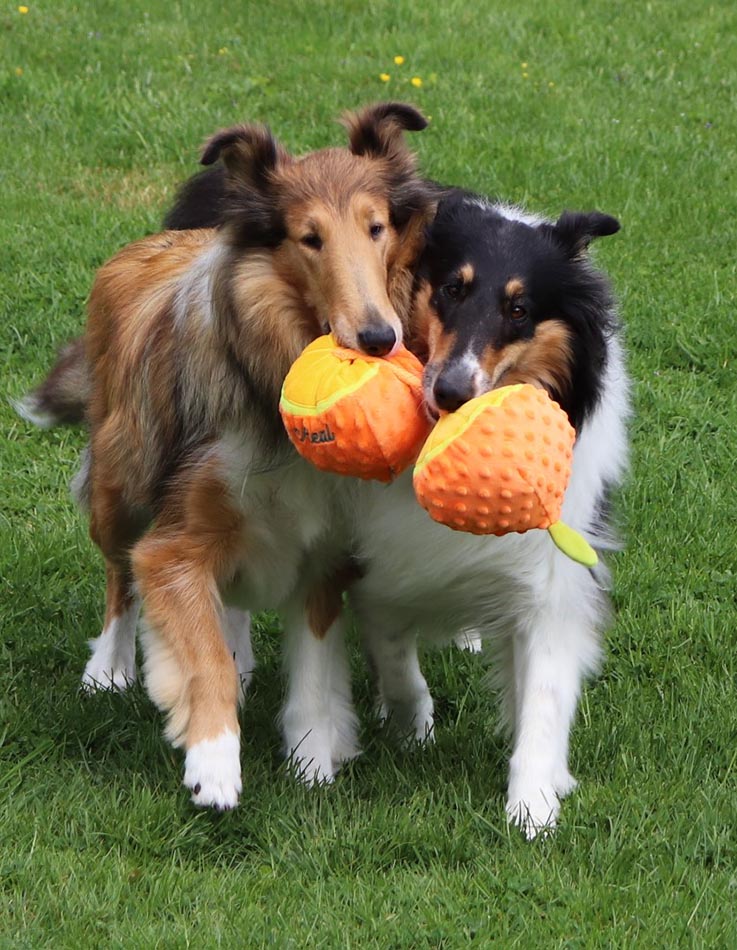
[223, 51]
[525, 75]
[398, 60]
[416, 82]
[384, 77]
[551, 85]
[18, 71]
[523, 65]
[22, 9]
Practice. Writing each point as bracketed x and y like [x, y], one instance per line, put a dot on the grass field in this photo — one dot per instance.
[624, 107]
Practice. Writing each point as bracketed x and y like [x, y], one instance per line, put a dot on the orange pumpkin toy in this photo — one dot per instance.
[354, 414]
[501, 463]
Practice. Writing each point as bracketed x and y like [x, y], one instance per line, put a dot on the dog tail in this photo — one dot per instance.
[63, 397]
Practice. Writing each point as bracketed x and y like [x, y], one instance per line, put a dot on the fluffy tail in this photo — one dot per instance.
[62, 397]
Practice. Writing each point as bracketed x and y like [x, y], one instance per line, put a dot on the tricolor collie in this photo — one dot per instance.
[501, 298]
[197, 502]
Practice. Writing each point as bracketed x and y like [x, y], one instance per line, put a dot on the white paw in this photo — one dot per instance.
[469, 640]
[534, 812]
[311, 756]
[344, 744]
[212, 770]
[564, 783]
[100, 674]
[412, 721]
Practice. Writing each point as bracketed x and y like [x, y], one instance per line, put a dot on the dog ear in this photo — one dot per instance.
[575, 230]
[377, 131]
[252, 158]
[247, 151]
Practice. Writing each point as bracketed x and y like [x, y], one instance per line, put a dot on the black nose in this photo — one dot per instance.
[451, 390]
[377, 339]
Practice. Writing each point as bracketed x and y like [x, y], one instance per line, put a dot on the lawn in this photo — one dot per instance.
[625, 107]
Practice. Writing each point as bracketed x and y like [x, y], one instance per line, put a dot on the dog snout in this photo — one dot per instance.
[452, 389]
[377, 339]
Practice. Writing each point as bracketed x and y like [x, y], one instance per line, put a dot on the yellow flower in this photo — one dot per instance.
[525, 75]
[399, 60]
[523, 65]
[223, 51]
[22, 9]
[416, 82]
[18, 71]
[550, 85]
[384, 77]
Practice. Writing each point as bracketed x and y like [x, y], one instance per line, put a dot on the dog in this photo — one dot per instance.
[198, 504]
[504, 297]
[500, 297]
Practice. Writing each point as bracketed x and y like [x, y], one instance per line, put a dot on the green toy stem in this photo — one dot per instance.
[572, 544]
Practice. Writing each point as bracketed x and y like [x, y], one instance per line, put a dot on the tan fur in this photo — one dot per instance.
[191, 674]
[325, 599]
[466, 273]
[543, 361]
[514, 288]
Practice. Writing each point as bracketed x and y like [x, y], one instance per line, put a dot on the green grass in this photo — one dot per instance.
[625, 107]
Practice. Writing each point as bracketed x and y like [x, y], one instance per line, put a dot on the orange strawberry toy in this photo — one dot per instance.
[354, 414]
[501, 463]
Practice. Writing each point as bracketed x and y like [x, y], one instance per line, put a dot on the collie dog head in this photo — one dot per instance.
[503, 298]
[336, 221]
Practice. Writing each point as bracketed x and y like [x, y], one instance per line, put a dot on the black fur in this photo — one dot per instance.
[560, 283]
[199, 201]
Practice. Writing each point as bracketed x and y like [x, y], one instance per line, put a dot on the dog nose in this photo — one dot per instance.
[377, 339]
[452, 390]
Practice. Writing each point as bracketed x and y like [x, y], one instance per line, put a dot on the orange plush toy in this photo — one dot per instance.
[501, 463]
[354, 414]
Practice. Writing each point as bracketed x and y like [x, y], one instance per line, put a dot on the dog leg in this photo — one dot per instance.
[237, 630]
[112, 664]
[190, 672]
[552, 649]
[405, 703]
[319, 722]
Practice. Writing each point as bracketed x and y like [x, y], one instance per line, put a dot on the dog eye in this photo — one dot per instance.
[312, 240]
[376, 230]
[517, 312]
[453, 290]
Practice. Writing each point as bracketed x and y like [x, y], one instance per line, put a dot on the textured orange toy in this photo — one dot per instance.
[354, 414]
[501, 463]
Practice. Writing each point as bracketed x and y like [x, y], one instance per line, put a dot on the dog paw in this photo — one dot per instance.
[412, 722]
[533, 813]
[564, 783]
[97, 677]
[212, 771]
[344, 744]
[310, 754]
[468, 640]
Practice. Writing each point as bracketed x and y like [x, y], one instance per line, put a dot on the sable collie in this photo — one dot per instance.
[499, 297]
[196, 500]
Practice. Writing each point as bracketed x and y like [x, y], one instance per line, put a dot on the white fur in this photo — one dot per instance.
[469, 640]
[213, 771]
[319, 723]
[539, 613]
[29, 409]
[113, 661]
